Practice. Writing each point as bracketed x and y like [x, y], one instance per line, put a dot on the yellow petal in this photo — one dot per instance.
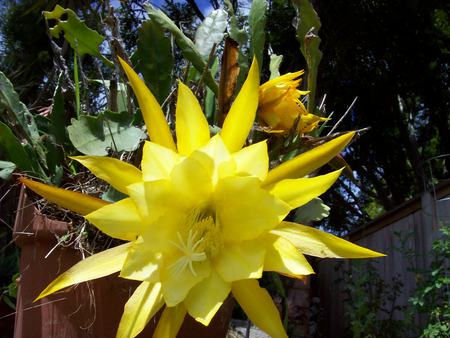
[176, 286]
[244, 210]
[284, 258]
[239, 120]
[154, 119]
[297, 192]
[205, 299]
[141, 263]
[281, 79]
[259, 307]
[80, 203]
[317, 243]
[240, 261]
[117, 173]
[253, 160]
[216, 159]
[158, 162]
[99, 265]
[191, 125]
[119, 220]
[170, 322]
[153, 199]
[192, 181]
[306, 162]
[139, 309]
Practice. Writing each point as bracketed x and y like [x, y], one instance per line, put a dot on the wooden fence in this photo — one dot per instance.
[418, 222]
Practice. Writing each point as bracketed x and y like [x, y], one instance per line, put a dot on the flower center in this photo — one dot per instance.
[200, 240]
[205, 224]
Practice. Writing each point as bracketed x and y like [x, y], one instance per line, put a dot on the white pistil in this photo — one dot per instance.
[190, 255]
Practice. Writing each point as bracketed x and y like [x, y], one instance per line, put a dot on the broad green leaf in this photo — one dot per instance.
[95, 135]
[257, 22]
[81, 38]
[210, 32]
[308, 25]
[275, 62]
[314, 210]
[6, 169]
[185, 44]
[16, 153]
[9, 101]
[154, 59]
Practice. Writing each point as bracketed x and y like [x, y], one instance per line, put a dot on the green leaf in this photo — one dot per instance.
[314, 210]
[210, 99]
[210, 32]
[275, 62]
[308, 25]
[113, 195]
[95, 135]
[185, 44]
[154, 59]
[81, 38]
[6, 169]
[257, 22]
[58, 117]
[9, 101]
[16, 153]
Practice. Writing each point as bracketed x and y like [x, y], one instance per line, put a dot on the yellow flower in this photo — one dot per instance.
[203, 217]
[280, 105]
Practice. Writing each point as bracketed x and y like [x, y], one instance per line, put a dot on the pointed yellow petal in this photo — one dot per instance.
[280, 79]
[305, 163]
[116, 172]
[244, 210]
[99, 265]
[154, 119]
[205, 299]
[259, 307]
[253, 160]
[158, 162]
[119, 220]
[139, 309]
[80, 203]
[239, 120]
[317, 243]
[141, 263]
[284, 258]
[241, 261]
[191, 125]
[170, 322]
[297, 192]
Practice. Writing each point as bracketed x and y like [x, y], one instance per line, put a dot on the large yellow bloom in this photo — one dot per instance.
[203, 217]
[280, 106]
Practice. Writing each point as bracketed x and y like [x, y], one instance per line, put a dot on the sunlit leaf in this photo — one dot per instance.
[95, 135]
[210, 32]
[81, 38]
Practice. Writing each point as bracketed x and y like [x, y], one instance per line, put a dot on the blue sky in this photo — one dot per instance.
[204, 5]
